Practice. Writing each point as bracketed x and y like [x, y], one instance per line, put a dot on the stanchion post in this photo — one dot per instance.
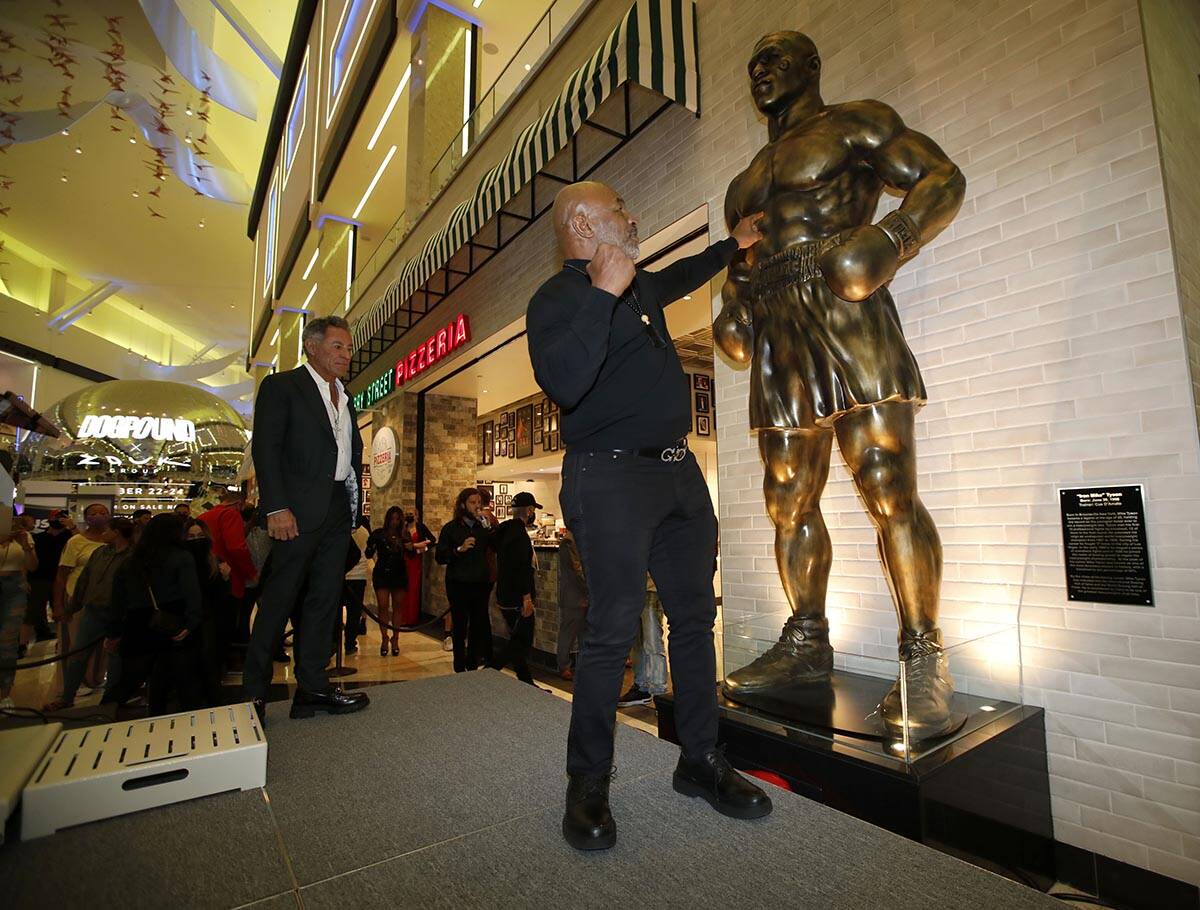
[338, 670]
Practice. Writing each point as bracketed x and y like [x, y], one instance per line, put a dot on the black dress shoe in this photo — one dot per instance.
[335, 701]
[260, 708]
[714, 780]
[588, 824]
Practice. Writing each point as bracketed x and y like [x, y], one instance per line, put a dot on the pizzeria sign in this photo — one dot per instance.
[441, 343]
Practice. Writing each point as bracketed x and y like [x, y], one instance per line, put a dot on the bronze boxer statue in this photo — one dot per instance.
[809, 307]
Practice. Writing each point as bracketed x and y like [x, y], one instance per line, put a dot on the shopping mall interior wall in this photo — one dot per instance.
[1046, 321]
[1173, 54]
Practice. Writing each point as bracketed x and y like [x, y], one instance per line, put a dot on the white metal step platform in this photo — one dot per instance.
[113, 769]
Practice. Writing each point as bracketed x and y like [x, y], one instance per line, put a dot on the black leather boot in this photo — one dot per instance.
[588, 824]
[335, 701]
[714, 780]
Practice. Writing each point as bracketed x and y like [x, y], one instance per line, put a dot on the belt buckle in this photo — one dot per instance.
[675, 453]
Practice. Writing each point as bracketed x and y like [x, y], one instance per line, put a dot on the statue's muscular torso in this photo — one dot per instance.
[814, 180]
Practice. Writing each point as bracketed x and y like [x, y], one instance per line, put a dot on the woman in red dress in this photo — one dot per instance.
[414, 557]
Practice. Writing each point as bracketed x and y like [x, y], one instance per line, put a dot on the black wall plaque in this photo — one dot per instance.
[1104, 542]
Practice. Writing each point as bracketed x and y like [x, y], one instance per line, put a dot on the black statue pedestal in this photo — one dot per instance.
[981, 794]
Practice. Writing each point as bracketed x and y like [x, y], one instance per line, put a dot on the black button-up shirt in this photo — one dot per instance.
[593, 356]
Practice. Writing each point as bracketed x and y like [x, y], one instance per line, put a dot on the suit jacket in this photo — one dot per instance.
[294, 451]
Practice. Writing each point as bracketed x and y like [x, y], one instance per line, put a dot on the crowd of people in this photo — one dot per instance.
[158, 606]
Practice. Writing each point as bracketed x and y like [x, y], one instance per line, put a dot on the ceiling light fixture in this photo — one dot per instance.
[63, 178]
[188, 138]
[528, 67]
[132, 141]
[136, 194]
[687, 296]
[78, 150]
[308, 299]
[311, 263]
[391, 106]
[188, 110]
[66, 132]
[466, 133]
[162, 176]
[477, 4]
[201, 222]
[374, 180]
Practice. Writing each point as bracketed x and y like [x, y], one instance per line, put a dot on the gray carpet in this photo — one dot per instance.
[217, 852]
[427, 761]
[448, 793]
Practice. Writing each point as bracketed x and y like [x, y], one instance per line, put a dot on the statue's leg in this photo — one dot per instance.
[879, 447]
[796, 464]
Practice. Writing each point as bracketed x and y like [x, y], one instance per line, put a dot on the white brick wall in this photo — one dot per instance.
[1047, 324]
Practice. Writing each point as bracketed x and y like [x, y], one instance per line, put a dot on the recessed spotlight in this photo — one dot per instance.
[188, 110]
[201, 222]
[136, 194]
[63, 178]
[66, 132]
[528, 67]
[988, 708]
[78, 150]
[188, 138]
[687, 296]
[132, 141]
[189, 306]
[162, 176]
[897, 747]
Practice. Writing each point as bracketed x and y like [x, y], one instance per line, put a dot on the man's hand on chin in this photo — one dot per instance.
[282, 525]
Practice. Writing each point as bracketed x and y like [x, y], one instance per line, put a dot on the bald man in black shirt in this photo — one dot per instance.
[632, 494]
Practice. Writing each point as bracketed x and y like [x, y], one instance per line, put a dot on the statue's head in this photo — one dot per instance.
[784, 66]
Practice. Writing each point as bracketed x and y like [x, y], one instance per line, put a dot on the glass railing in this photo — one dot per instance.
[507, 84]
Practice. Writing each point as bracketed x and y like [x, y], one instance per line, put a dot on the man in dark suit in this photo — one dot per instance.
[307, 456]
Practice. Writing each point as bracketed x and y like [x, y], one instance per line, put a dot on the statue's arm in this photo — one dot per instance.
[733, 329]
[912, 163]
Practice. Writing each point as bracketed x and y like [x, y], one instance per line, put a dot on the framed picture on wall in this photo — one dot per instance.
[702, 403]
[554, 441]
[496, 444]
[701, 382]
[524, 431]
[703, 426]
[537, 436]
[503, 419]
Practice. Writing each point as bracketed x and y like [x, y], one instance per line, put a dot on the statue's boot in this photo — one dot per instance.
[802, 655]
[930, 689]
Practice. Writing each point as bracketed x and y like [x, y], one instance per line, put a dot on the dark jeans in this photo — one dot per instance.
[630, 514]
[316, 558]
[472, 625]
[165, 666]
[35, 609]
[520, 640]
[353, 592]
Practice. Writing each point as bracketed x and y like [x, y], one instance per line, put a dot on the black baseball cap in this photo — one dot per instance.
[525, 499]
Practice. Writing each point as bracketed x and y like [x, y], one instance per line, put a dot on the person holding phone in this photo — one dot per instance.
[462, 548]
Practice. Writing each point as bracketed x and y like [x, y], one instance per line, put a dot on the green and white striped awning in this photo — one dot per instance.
[654, 46]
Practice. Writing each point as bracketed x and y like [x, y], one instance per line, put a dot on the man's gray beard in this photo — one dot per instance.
[622, 242]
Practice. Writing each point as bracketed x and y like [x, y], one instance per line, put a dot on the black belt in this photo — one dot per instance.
[677, 452]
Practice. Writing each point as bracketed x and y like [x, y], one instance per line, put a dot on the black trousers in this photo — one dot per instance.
[353, 592]
[317, 558]
[165, 666]
[631, 514]
[472, 630]
[35, 607]
[520, 640]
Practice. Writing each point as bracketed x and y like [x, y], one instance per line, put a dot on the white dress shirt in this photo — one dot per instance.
[339, 422]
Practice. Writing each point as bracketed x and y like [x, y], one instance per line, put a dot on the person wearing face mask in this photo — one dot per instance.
[75, 556]
[462, 548]
[99, 614]
[213, 574]
[632, 493]
[516, 590]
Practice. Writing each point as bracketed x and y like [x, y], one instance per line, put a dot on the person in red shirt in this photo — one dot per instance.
[228, 533]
